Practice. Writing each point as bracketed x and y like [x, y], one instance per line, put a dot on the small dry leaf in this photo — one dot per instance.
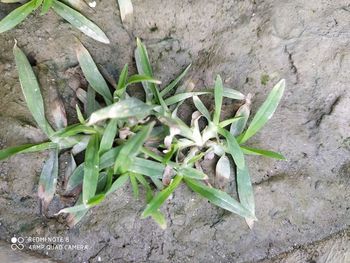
[222, 172]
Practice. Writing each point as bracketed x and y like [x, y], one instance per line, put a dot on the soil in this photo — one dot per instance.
[302, 203]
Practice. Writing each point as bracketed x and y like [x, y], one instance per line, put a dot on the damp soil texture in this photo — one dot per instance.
[303, 204]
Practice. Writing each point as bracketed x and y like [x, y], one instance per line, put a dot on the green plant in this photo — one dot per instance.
[71, 15]
[145, 142]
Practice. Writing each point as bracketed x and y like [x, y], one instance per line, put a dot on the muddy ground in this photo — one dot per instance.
[302, 203]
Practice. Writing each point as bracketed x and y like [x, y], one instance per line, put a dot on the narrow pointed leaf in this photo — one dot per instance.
[26, 148]
[125, 8]
[46, 6]
[183, 96]
[92, 74]
[266, 111]
[17, 16]
[135, 186]
[159, 218]
[74, 130]
[191, 173]
[201, 107]
[80, 22]
[233, 148]
[161, 197]
[218, 198]
[48, 179]
[144, 68]
[218, 96]
[142, 78]
[31, 90]
[91, 169]
[233, 94]
[173, 84]
[120, 182]
[245, 190]
[266, 153]
[147, 167]
[131, 148]
[123, 109]
[120, 90]
[108, 136]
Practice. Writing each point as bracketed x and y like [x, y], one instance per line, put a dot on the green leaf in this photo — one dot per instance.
[95, 200]
[17, 16]
[26, 148]
[266, 153]
[147, 167]
[233, 148]
[79, 114]
[92, 74]
[173, 84]
[224, 123]
[46, 6]
[160, 198]
[219, 198]
[91, 104]
[74, 130]
[201, 107]
[191, 173]
[91, 168]
[233, 94]
[130, 107]
[80, 22]
[120, 91]
[266, 111]
[218, 95]
[31, 90]
[108, 136]
[159, 218]
[144, 68]
[135, 186]
[245, 191]
[142, 78]
[48, 179]
[131, 148]
[143, 181]
[183, 96]
[120, 182]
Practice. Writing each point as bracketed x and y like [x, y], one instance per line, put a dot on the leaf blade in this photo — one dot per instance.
[266, 111]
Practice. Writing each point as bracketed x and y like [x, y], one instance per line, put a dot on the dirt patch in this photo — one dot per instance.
[298, 201]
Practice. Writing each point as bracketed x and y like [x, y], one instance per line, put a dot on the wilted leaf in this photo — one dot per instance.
[238, 127]
[48, 179]
[125, 8]
[222, 172]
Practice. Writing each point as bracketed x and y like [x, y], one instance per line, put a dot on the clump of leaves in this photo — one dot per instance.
[145, 142]
[62, 7]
